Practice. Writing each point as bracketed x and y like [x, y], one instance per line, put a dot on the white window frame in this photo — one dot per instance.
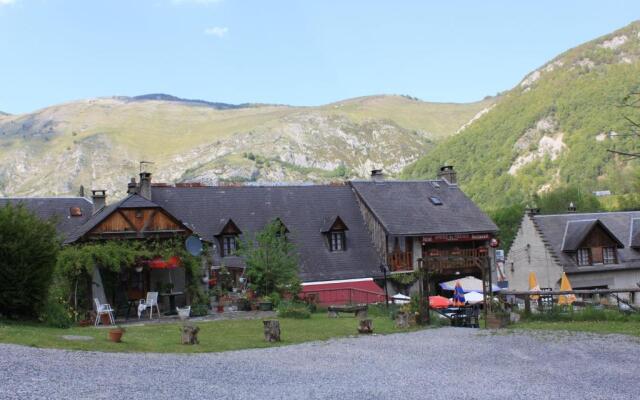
[609, 255]
[337, 240]
[581, 254]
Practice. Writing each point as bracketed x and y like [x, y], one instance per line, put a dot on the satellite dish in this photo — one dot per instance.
[193, 245]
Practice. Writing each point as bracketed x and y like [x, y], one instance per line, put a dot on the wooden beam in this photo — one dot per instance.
[131, 224]
[148, 221]
[565, 292]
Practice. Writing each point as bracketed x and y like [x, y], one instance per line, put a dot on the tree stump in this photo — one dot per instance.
[402, 320]
[362, 314]
[332, 314]
[190, 334]
[365, 326]
[271, 330]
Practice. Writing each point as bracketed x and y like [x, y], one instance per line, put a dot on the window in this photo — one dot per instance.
[435, 201]
[584, 256]
[609, 255]
[337, 241]
[229, 245]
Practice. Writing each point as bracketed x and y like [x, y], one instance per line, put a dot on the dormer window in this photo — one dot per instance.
[336, 241]
[335, 230]
[584, 256]
[228, 237]
[609, 255]
[229, 245]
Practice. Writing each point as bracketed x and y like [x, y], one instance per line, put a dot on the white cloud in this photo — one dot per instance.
[197, 2]
[218, 31]
[6, 2]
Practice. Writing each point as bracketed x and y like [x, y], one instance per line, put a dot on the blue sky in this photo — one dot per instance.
[293, 52]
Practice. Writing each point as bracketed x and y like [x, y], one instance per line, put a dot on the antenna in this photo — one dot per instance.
[142, 163]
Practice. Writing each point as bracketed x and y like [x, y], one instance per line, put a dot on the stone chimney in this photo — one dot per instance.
[572, 208]
[144, 189]
[99, 199]
[132, 187]
[448, 174]
[377, 175]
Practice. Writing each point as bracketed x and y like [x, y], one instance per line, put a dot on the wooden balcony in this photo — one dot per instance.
[400, 261]
[448, 259]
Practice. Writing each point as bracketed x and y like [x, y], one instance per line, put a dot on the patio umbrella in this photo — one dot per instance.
[401, 298]
[533, 285]
[468, 283]
[565, 285]
[458, 296]
[438, 302]
[473, 297]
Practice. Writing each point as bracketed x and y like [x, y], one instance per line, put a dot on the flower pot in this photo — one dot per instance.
[115, 335]
[105, 320]
[265, 306]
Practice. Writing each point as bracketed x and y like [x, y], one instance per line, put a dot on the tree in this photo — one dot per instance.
[272, 265]
[28, 250]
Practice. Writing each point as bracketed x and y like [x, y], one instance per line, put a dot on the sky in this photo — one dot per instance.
[285, 52]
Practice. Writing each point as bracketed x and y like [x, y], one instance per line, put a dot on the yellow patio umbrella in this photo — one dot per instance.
[565, 285]
[533, 285]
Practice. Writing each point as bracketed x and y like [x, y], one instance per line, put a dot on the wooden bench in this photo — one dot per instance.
[359, 310]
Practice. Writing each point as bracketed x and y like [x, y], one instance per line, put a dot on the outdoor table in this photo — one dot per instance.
[172, 302]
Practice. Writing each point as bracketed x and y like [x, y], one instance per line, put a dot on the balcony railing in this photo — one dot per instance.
[442, 259]
[400, 261]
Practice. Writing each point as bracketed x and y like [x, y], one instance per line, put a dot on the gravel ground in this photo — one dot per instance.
[446, 363]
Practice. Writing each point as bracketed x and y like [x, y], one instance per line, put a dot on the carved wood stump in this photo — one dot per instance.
[271, 330]
[332, 314]
[190, 334]
[402, 320]
[362, 314]
[365, 326]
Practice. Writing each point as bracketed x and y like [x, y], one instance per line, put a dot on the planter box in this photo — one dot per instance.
[265, 306]
[497, 321]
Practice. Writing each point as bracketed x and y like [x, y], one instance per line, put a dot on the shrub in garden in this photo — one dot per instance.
[28, 250]
[290, 309]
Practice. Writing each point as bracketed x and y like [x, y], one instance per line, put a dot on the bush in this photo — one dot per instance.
[57, 315]
[199, 310]
[28, 250]
[290, 309]
[562, 313]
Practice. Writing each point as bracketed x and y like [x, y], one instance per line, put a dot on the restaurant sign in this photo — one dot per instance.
[458, 237]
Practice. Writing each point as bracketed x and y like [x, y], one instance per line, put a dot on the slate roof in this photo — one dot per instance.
[563, 232]
[404, 208]
[302, 209]
[55, 207]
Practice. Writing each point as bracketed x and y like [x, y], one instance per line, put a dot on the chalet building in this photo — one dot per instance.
[596, 250]
[343, 233]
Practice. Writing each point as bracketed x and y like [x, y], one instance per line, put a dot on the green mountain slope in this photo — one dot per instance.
[553, 129]
[99, 142]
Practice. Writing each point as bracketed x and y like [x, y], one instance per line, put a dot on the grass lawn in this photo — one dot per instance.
[621, 327]
[214, 336]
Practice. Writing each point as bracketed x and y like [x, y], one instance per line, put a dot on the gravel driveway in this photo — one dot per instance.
[446, 363]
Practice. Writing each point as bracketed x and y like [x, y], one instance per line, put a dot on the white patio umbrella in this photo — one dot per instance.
[401, 298]
[473, 297]
[468, 283]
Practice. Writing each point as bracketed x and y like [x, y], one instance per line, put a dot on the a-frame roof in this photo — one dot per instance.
[577, 231]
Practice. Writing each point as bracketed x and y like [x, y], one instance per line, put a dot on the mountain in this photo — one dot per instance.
[98, 143]
[554, 129]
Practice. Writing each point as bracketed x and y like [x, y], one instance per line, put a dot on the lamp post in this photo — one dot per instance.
[385, 270]
[425, 315]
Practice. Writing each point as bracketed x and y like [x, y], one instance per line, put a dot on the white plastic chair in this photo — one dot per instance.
[148, 303]
[102, 309]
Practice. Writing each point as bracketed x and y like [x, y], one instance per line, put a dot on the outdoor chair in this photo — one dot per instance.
[148, 303]
[102, 309]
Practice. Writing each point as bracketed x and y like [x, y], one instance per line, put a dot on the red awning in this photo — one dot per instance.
[345, 292]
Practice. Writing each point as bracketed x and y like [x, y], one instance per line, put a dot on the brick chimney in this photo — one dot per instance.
[99, 199]
[448, 174]
[144, 189]
[132, 187]
[377, 175]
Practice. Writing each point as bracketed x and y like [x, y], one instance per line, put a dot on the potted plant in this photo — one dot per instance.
[115, 334]
[265, 304]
